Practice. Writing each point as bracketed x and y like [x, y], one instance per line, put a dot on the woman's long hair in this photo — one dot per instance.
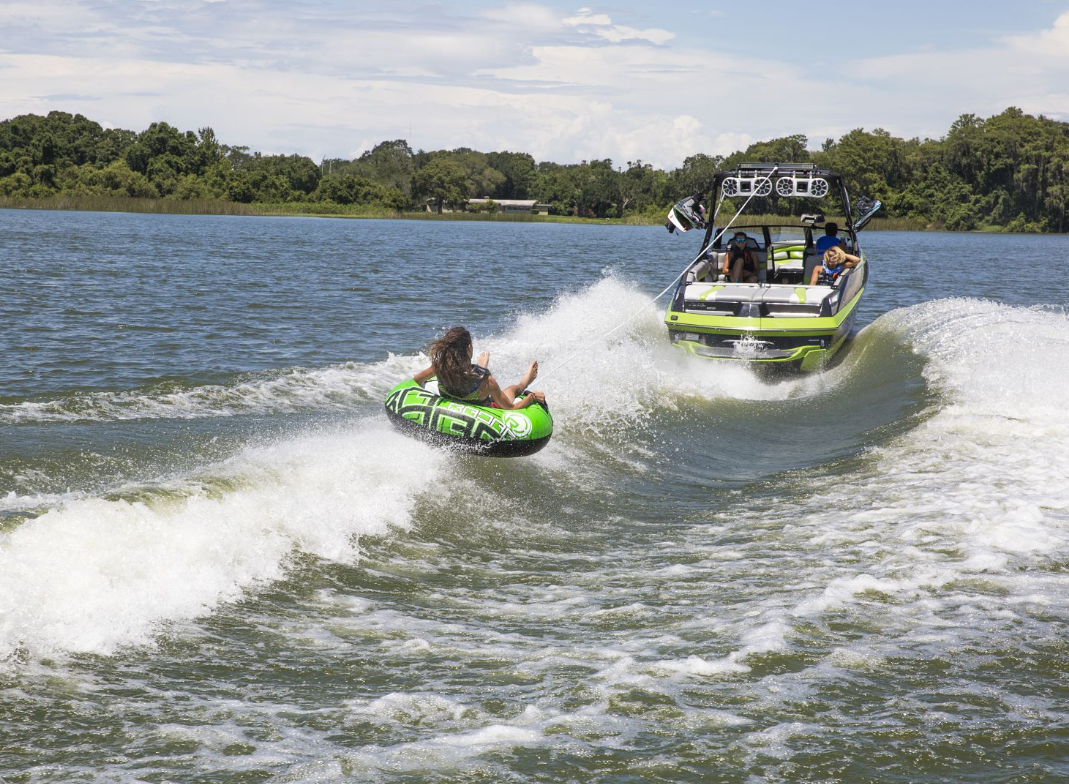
[834, 256]
[451, 362]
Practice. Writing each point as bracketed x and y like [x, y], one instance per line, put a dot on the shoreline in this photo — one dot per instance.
[298, 210]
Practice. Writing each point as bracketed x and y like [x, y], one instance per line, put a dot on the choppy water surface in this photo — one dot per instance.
[218, 563]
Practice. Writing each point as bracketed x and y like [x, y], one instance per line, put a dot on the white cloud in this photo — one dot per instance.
[1053, 42]
[930, 89]
[518, 76]
[618, 33]
[587, 17]
[59, 17]
[601, 25]
[528, 16]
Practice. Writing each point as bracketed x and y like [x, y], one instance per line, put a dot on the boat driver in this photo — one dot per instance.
[740, 262]
[830, 238]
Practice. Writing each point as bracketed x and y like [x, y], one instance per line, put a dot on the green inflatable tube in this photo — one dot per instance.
[467, 427]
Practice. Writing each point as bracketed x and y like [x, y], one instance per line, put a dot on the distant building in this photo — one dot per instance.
[526, 206]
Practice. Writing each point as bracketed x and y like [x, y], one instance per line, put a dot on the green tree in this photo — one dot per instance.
[598, 188]
[390, 164]
[17, 184]
[209, 152]
[350, 189]
[556, 186]
[482, 178]
[872, 163]
[59, 140]
[518, 169]
[694, 176]
[787, 149]
[941, 198]
[641, 187]
[1056, 196]
[1010, 170]
[273, 179]
[115, 179]
[163, 141]
[442, 181]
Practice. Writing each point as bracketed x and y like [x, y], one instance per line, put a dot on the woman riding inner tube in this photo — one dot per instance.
[460, 379]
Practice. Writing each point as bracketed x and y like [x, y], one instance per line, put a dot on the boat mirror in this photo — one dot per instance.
[809, 220]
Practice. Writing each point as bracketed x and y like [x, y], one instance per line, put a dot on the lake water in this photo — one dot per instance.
[219, 563]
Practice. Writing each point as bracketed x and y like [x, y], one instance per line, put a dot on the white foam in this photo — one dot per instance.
[94, 574]
[444, 751]
[977, 489]
[598, 367]
[298, 389]
[31, 501]
[418, 708]
[775, 741]
[697, 665]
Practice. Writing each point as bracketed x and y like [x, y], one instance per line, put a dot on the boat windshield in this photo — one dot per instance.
[778, 235]
[784, 234]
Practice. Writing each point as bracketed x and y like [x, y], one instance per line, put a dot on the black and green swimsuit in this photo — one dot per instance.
[472, 395]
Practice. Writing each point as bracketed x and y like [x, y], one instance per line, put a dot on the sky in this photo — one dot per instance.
[628, 79]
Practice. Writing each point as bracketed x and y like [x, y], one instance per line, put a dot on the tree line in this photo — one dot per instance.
[1009, 171]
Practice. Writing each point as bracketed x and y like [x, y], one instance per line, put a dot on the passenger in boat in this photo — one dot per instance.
[740, 261]
[830, 238]
[460, 379]
[835, 262]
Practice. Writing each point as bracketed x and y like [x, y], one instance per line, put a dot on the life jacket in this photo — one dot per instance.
[829, 274]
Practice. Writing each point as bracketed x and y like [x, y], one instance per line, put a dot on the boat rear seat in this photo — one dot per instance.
[749, 292]
[707, 294]
[790, 264]
[795, 295]
[787, 257]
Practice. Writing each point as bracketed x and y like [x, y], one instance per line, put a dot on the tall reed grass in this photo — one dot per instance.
[876, 224]
[329, 209]
[128, 204]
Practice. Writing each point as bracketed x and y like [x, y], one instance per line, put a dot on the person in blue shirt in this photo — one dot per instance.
[830, 238]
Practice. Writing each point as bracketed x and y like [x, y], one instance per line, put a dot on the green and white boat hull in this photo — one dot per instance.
[772, 325]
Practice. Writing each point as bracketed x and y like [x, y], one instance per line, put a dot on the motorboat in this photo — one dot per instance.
[780, 320]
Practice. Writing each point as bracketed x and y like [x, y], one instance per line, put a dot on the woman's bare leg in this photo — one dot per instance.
[527, 378]
[736, 270]
[510, 392]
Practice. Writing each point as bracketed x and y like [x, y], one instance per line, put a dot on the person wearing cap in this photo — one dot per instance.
[740, 262]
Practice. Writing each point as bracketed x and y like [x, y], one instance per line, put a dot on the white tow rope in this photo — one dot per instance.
[558, 365]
